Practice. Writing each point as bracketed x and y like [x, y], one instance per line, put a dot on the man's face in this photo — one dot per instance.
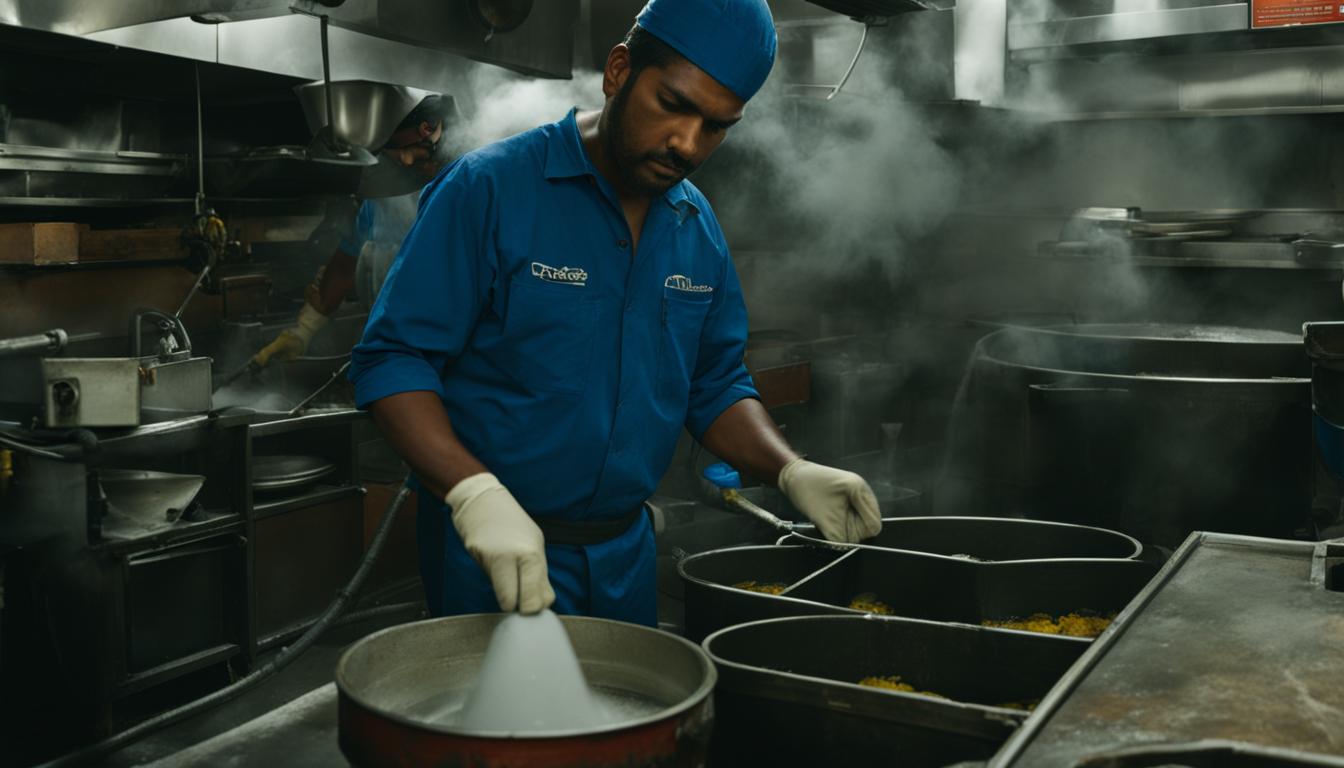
[663, 122]
[416, 148]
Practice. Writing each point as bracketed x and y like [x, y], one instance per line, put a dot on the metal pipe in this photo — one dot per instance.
[46, 342]
[191, 294]
[834, 90]
[305, 401]
[200, 150]
[326, 77]
[852, 64]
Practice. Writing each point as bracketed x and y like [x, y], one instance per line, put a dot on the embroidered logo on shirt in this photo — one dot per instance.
[683, 283]
[563, 275]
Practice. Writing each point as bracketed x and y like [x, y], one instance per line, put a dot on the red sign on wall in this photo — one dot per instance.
[1289, 13]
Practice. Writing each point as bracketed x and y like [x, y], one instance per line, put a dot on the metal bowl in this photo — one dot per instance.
[390, 679]
[364, 113]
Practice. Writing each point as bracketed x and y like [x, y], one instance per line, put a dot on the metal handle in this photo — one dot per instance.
[738, 502]
[172, 325]
[43, 343]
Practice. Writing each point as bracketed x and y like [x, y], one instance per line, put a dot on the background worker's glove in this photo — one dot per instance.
[841, 503]
[292, 342]
[509, 547]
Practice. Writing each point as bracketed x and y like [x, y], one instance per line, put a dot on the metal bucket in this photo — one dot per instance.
[389, 677]
[788, 696]
[997, 539]
[914, 585]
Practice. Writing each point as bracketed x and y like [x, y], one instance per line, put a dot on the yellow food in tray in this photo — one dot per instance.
[1071, 624]
[869, 603]
[764, 587]
[893, 683]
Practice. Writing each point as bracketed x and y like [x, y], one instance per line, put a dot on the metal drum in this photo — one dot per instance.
[997, 539]
[911, 584]
[786, 696]
[1153, 430]
[390, 679]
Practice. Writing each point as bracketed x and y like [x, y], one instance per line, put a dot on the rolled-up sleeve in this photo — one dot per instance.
[720, 377]
[434, 293]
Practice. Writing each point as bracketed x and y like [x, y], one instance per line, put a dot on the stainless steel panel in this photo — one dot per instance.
[175, 37]
[78, 17]
[1138, 25]
[543, 45]
[1264, 81]
[1270, 80]
[106, 392]
[290, 46]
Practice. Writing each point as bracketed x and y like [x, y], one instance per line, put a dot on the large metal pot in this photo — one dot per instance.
[389, 681]
[1153, 430]
[996, 539]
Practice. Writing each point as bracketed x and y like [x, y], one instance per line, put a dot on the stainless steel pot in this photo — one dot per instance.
[388, 680]
[1153, 430]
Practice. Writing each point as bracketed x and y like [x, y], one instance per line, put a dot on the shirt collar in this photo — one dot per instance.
[566, 158]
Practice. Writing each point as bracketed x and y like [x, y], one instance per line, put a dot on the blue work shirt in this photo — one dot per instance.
[567, 364]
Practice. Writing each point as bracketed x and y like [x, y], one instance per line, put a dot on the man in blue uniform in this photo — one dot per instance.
[360, 262]
[564, 305]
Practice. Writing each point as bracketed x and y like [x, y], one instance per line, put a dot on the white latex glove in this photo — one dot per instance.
[504, 540]
[840, 503]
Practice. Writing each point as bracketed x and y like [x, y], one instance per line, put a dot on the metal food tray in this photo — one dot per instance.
[785, 696]
[1232, 656]
[913, 584]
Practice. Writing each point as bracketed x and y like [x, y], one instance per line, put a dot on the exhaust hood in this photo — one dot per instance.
[537, 40]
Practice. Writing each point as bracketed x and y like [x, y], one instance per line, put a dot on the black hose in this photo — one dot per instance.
[416, 608]
[328, 619]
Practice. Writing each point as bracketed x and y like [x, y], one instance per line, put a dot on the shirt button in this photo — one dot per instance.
[622, 243]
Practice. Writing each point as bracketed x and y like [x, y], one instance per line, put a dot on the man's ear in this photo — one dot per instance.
[617, 70]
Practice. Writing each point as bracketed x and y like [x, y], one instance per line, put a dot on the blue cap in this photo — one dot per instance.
[723, 476]
[733, 41]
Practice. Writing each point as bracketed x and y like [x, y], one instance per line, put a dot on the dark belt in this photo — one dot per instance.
[585, 532]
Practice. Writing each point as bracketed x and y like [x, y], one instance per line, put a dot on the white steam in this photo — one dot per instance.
[507, 104]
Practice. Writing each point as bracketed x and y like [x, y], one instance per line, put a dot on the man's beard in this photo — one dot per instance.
[628, 160]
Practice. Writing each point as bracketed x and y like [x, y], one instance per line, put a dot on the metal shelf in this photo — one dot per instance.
[1138, 25]
[322, 495]
[141, 681]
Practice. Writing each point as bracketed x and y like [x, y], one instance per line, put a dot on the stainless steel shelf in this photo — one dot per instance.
[322, 494]
[1137, 25]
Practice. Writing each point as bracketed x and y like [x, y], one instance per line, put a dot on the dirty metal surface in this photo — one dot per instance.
[1234, 640]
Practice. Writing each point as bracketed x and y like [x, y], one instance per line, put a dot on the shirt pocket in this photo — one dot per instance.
[679, 345]
[550, 331]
